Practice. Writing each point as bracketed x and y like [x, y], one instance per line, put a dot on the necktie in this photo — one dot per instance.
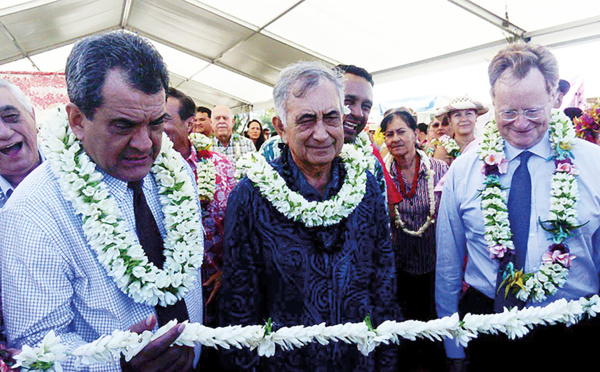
[519, 214]
[152, 243]
[4, 198]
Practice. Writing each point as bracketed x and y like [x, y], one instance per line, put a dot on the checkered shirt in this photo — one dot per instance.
[51, 278]
[238, 146]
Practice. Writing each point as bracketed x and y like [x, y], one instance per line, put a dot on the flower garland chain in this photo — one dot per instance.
[206, 178]
[235, 141]
[450, 145]
[562, 217]
[514, 323]
[363, 143]
[106, 231]
[430, 193]
[293, 205]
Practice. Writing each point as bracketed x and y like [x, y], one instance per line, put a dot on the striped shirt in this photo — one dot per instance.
[416, 255]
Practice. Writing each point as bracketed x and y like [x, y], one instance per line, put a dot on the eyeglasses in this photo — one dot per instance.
[437, 125]
[530, 114]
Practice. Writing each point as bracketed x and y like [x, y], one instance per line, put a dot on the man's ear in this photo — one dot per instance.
[189, 124]
[76, 119]
[280, 128]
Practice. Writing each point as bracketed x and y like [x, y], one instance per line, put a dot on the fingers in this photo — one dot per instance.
[158, 355]
[162, 344]
[184, 361]
[144, 325]
[175, 359]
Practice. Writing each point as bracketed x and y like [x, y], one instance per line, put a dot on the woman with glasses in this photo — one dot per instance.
[462, 113]
[413, 175]
[438, 127]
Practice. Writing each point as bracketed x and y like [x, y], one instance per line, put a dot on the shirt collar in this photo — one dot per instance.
[118, 188]
[192, 159]
[232, 139]
[4, 186]
[300, 183]
[422, 169]
[541, 149]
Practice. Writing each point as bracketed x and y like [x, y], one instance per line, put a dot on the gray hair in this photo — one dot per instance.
[18, 94]
[94, 56]
[299, 79]
[520, 58]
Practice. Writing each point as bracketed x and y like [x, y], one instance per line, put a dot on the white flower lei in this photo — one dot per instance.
[206, 178]
[450, 145]
[514, 323]
[363, 143]
[235, 138]
[430, 193]
[563, 211]
[293, 205]
[106, 231]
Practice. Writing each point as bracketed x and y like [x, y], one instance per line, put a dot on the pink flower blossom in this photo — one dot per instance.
[498, 251]
[503, 166]
[493, 159]
[558, 257]
[494, 163]
[567, 168]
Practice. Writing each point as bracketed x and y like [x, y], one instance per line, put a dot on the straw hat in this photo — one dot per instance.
[462, 103]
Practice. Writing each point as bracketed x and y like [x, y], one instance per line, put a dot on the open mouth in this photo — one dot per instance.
[12, 149]
[350, 126]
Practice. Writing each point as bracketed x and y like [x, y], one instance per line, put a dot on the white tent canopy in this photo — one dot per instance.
[231, 51]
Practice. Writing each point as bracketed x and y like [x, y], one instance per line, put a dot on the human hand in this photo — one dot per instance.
[159, 355]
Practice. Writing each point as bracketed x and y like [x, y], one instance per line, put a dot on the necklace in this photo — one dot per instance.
[562, 217]
[430, 173]
[205, 167]
[415, 180]
[293, 205]
[106, 231]
[363, 143]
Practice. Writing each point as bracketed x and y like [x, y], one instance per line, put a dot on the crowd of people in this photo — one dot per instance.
[135, 208]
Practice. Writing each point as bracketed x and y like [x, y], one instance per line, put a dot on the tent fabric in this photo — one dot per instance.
[46, 90]
[230, 52]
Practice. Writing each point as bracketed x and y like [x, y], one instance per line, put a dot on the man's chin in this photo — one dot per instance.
[349, 135]
[132, 176]
[132, 171]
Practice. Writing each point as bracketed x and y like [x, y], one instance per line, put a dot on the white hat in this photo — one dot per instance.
[462, 103]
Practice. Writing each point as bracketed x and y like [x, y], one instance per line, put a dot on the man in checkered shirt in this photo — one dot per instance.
[51, 277]
[225, 141]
